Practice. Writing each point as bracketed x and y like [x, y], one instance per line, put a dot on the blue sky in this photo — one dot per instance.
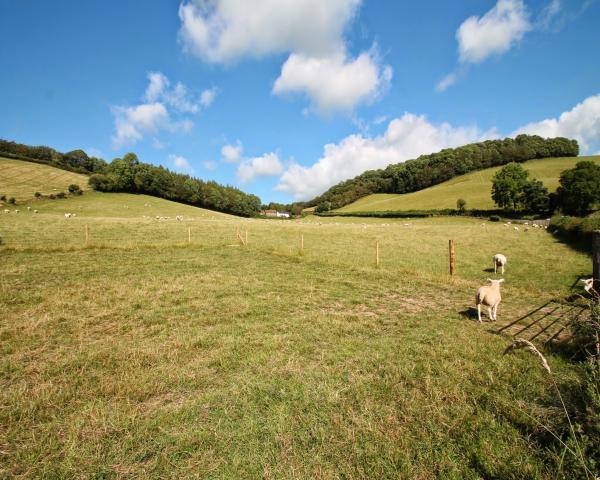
[285, 98]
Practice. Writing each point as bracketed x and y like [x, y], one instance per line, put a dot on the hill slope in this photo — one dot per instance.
[474, 187]
[22, 179]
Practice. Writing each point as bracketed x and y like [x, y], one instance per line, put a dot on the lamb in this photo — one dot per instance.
[489, 295]
[17, 211]
[516, 228]
[589, 284]
[35, 211]
[67, 215]
[6, 211]
[499, 261]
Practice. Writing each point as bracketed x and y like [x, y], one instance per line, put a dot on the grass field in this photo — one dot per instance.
[475, 188]
[21, 179]
[142, 356]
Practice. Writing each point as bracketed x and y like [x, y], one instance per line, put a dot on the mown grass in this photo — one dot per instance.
[475, 188]
[140, 356]
[20, 179]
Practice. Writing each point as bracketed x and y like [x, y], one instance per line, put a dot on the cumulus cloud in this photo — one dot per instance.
[160, 103]
[266, 165]
[223, 31]
[410, 136]
[494, 33]
[181, 164]
[131, 123]
[406, 137]
[232, 153]
[311, 31]
[582, 123]
[336, 82]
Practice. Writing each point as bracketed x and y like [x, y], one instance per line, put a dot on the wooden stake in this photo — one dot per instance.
[87, 234]
[189, 234]
[377, 253]
[596, 259]
[451, 257]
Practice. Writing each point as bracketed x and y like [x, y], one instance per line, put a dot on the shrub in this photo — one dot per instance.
[52, 196]
[494, 218]
[12, 200]
[3, 198]
[61, 195]
[75, 189]
[37, 194]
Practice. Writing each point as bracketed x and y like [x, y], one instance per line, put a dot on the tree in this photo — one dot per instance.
[508, 184]
[461, 204]
[534, 197]
[75, 189]
[579, 188]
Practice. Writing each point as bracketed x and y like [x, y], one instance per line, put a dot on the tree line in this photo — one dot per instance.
[429, 170]
[128, 174]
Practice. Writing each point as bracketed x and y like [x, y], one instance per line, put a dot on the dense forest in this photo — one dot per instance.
[130, 175]
[428, 170]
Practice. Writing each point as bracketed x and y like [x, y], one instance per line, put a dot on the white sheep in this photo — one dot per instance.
[489, 295]
[29, 209]
[35, 211]
[516, 228]
[73, 214]
[6, 211]
[17, 211]
[506, 225]
[179, 217]
[499, 261]
[67, 215]
[589, 284]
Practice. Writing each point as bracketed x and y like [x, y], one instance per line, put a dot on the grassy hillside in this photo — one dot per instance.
[475, 188]
[22, 179]
[142, 356]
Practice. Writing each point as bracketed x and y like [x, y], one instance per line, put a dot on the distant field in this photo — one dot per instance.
[22, 179]
[475, 188]
[140, 355]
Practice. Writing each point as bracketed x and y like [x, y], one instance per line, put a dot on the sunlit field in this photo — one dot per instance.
[475, 188]
[163, 348]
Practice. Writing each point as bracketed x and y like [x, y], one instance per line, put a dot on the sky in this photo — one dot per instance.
[285, 98]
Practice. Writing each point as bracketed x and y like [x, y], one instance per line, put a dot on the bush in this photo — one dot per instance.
[12, 200]
[61, 195]
[37, 194]
[52, 196]
[75, 189]
[494, 218]
[3, 198]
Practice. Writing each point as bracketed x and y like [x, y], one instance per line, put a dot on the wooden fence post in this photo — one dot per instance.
[451, 257]
[377, 253]
[87, 234]
[596, 259]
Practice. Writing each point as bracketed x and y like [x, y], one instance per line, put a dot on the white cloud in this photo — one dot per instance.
[181, 164]
[161, 102]
[406, 137]
[336, 82]
[131, 123]
[582, 123]
[232, 153]
[549, 13]
[311, 31]
[207, 97]
[223, 31]
[494, 33]
[266, 165]
[209, 165]
[446, 82]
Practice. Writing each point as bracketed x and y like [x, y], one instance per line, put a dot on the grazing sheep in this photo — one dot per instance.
[35, 211]
[6, 211]
[516, 228]
[499, 261]
[29, 209]
[17, 211]
[506, 225]
[179, 217]
[67, 215]
[489, 295]
[589, 284]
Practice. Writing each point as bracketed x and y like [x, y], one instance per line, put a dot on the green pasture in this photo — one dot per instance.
[21, 179]
[475, 188]
[140, 355]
